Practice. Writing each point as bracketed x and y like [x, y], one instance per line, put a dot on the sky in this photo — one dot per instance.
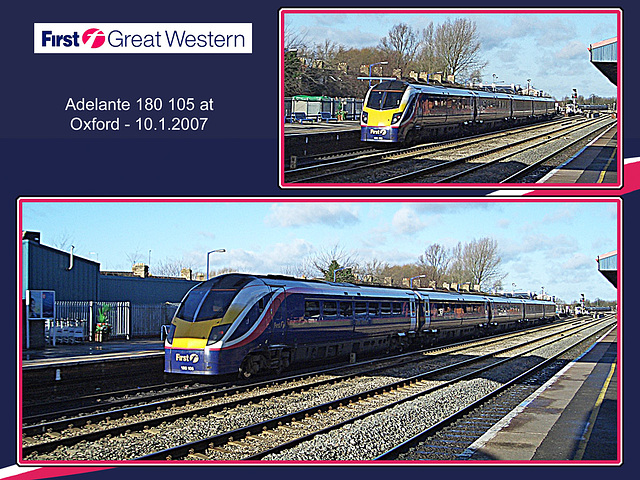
[542, 244]
[549, 49]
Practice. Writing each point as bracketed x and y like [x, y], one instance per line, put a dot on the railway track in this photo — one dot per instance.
[49, 410]
[509, 163]
[423, 163]
[219, 427]
[452, 438]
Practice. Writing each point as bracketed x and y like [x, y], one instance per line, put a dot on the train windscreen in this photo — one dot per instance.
[386, 95]
[212, 298]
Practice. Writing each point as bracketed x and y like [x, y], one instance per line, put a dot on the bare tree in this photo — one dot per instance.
[400, 45]
[62, 241]
[372, 271]
[170, 267]
[435, 262]
[456, 272]
[427, 58]
[303, 269]
[134, 257]
[323, 261]
[294, 38]
[458, 44]
[482, 262]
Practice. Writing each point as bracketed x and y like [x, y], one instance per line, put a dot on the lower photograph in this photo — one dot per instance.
[329, 331]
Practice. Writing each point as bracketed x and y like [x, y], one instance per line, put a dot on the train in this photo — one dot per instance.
[246, 324]
[396, 111]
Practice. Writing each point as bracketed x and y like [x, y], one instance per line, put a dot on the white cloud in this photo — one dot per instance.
[299, 214]
[407, 221]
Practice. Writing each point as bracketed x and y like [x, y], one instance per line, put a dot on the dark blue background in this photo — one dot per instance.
[238, 156]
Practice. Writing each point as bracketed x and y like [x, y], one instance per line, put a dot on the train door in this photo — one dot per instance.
[426, 308]
[278, 310]
[413, 314]
[489, 308]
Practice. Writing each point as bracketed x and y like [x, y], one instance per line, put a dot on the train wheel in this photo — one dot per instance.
[251, 366]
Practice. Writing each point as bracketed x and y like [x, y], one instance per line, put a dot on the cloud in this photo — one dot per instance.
[565, 213]
[272, 259]
[300, 214]
[573, 50]
[407, 221]
[552, 247]
[578, 262]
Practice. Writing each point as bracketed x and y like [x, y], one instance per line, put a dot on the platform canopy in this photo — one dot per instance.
[608, 266]
[604, 56]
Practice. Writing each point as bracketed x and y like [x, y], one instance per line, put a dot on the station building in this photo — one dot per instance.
[134, 304]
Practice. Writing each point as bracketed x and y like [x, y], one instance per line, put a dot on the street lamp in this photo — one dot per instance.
[413, 278]
[336, 271]
[372, 65]
[220, 250]
[528, 87]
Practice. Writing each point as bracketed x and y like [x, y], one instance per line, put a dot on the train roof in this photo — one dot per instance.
[355, 290]
[464, 92]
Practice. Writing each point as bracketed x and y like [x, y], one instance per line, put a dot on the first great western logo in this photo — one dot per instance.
[143, 38]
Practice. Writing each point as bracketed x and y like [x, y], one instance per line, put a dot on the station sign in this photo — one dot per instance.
[41, 304]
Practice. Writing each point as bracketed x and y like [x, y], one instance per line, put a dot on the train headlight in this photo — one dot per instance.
[365, 117]
[396, 117]
[217, 333]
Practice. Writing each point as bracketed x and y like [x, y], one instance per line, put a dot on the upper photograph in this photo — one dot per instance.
[461, 99]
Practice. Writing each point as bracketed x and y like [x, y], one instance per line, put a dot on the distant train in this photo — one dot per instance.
[248, 324]
[399, 112]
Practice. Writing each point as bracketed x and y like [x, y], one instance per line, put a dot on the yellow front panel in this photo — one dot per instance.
[380, 118]
[197, 343]
[193, 334]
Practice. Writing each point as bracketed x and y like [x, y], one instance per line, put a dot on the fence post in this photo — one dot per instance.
[90, 320]
[128, 319]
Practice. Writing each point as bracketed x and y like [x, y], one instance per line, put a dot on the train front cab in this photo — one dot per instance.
[218, 322]
[384, 106]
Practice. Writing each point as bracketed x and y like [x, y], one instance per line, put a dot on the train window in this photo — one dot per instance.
[212, 298]
[375, 99]
[392, 100]
[396, 308]
[385, 308]
[190, 304]
[361, 308]
[329, 309]
[312, 309]
[346, 309]
[373, 308]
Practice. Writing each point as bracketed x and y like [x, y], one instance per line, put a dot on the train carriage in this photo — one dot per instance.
[396, 111]
[239, 323]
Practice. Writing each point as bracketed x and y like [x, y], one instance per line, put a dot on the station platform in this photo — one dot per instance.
[320, 138]
[91, 352]
[596, 163]
[320, 127]
[572, 417]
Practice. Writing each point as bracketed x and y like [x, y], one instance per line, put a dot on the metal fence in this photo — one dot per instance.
[126, 320]
[353, 106]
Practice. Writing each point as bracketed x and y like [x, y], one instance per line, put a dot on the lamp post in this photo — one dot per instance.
[528, 86]
[336, 271]
[413, 278]
[220, 250]
[370, 69]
